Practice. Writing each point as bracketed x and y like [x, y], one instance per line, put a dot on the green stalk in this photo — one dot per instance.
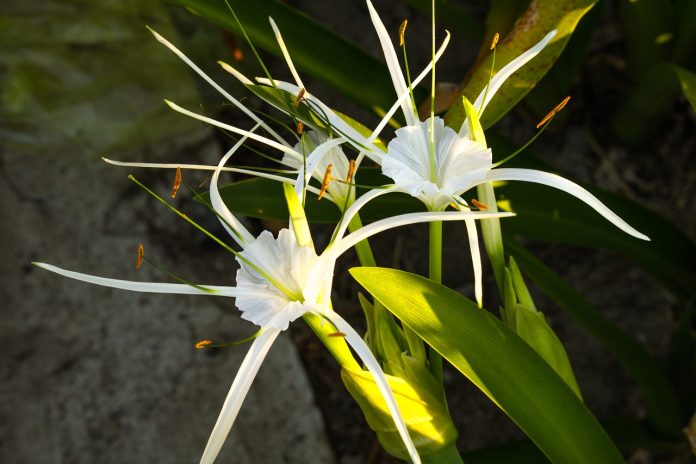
[366, 258]
[337, 346]
[435, 274]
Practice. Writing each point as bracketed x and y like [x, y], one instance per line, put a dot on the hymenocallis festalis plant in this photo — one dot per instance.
[397, 378]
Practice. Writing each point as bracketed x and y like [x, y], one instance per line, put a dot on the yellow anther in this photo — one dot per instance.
[481, 206]
[494, 42]
[325, 182]
[141, 255]
[300, 128]
[177, 182]
[553, 112]
[336, 334]
[202, 344]
[299, 97]
[351, 171]
[402, 31]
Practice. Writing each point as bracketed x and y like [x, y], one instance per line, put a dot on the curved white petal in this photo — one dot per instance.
[502, 75]
[366, 356]
[314, 158]
[359, 203]
[393, 64]
[286, 55]
[237, 75]
[355, 138]
[238, 391]
[145, 287]
[236, 130]
[472, 234]
[553, 180]
[238, 232]
[205, 167]
[200, 72]
[404, 95]
[341, 246]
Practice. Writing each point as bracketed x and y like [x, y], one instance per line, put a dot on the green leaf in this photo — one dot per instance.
[687, 80]
[336, 62]
[497, 361]
[658, 395]
[541, 17]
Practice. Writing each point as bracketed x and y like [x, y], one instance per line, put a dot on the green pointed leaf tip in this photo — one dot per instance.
[497, 361]
[472, 117]
[426, 417]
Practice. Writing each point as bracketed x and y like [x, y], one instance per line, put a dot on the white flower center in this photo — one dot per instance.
[459, 162]
[297, 269]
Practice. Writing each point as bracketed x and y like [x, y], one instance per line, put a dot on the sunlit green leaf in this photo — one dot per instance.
[497, 361]
[687, 80]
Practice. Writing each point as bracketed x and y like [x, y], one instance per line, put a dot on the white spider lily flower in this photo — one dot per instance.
[280, 280]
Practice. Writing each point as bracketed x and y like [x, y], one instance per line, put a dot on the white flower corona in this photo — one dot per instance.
[458, 162]
[292, 267]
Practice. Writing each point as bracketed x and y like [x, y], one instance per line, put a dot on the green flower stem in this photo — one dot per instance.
[366, 258]
[447, 455]
[435, 274]
[337, 346]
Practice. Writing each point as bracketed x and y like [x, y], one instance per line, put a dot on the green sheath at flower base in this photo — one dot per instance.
[418, 396]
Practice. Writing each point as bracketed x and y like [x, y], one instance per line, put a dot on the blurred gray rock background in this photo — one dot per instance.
[89, 374]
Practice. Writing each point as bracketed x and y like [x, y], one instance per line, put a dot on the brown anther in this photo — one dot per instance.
[237, 54]
[325, 182]
[141, 255]
[177, 182]
[494, 42]
[402, 31]
[479, 205]
[351, 171]
[300, 128]
[299, 97]
[202, 344]
[553, 112]
[336, 334]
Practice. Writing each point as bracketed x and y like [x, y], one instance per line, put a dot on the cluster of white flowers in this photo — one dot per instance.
[283, 278]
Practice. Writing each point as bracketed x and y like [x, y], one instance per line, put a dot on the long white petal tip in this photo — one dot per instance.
[157, 35]
[172, 105]
[239, 76]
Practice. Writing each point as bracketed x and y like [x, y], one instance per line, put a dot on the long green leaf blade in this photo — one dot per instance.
[500, 363]
[659, 396]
